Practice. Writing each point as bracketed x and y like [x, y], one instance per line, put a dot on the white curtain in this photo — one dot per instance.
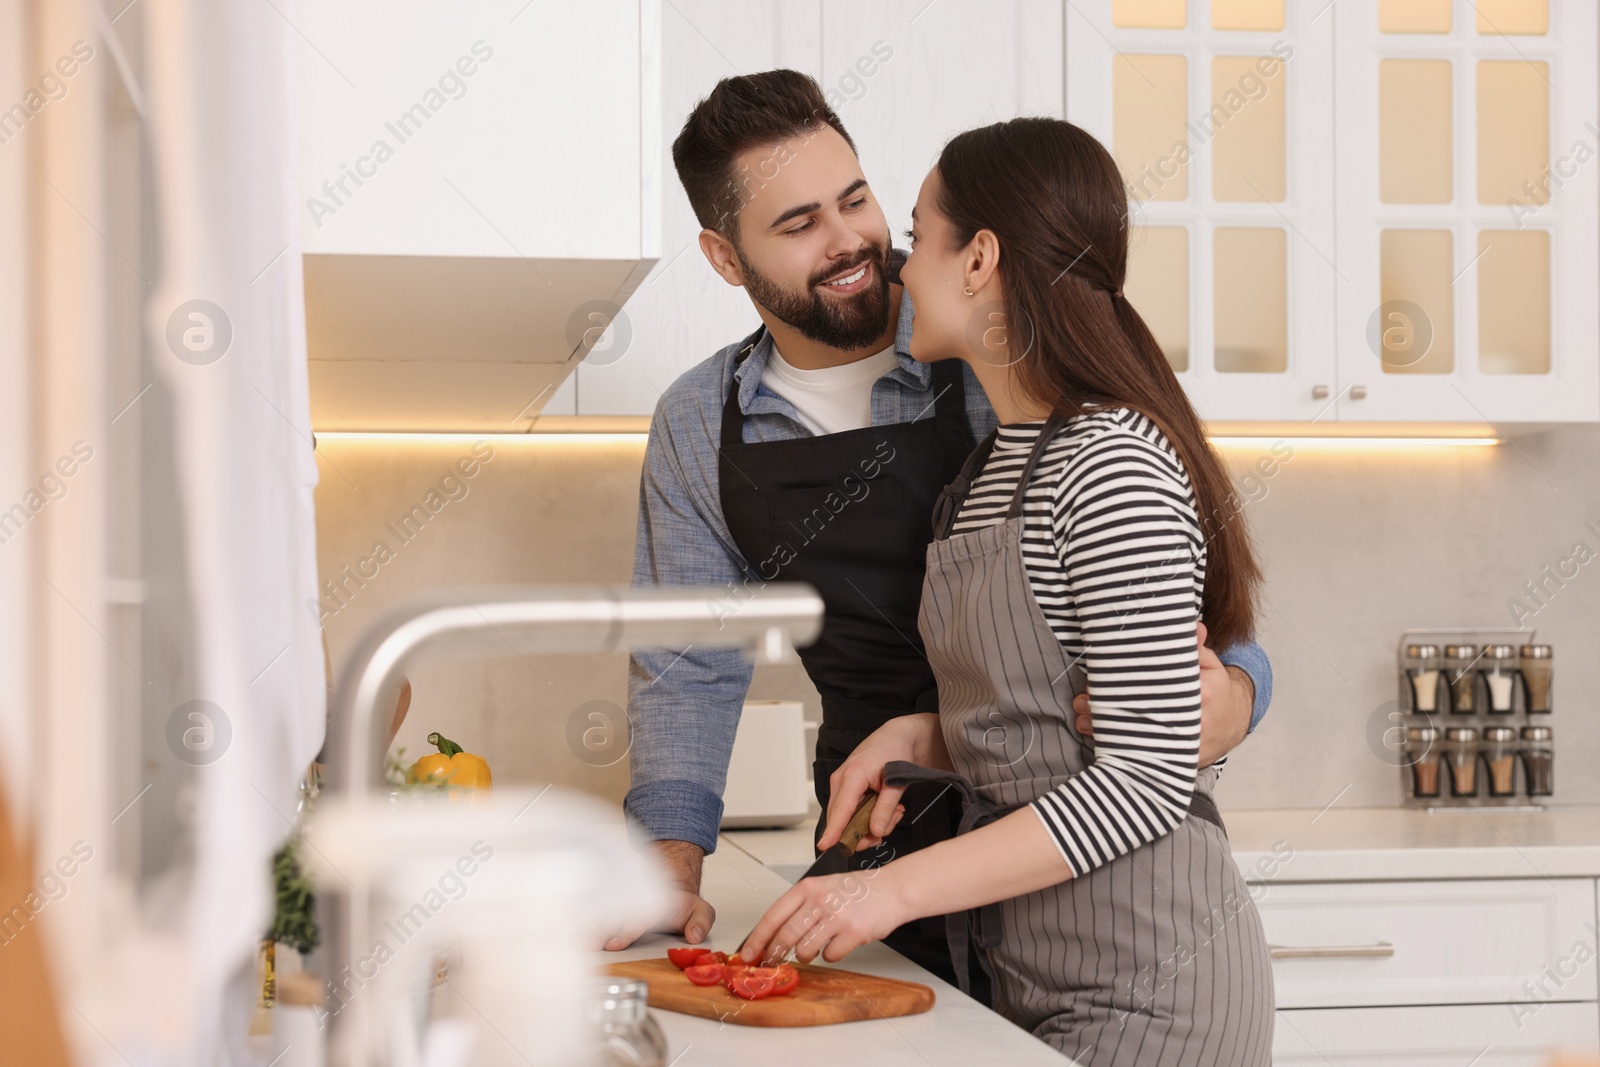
[227, 328]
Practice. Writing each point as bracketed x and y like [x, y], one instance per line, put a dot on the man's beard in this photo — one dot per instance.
[847, 324]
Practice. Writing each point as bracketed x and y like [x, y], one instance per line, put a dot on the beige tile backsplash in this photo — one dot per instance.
[1357, 546]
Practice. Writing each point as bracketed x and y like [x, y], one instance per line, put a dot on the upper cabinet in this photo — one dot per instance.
[1222, 124]
[1381, 212]
[1467, 210]
[481, 191]
[903, 76]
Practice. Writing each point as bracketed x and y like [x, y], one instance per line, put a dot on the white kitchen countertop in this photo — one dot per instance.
[958, 1030]
[1350, 844]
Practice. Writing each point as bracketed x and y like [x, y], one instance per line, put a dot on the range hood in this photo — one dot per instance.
[451, 343]
[478, 203]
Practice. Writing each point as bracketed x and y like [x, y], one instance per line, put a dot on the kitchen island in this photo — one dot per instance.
[957, 1031]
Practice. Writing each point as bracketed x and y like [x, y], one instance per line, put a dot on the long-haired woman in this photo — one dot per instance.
[1078, 550]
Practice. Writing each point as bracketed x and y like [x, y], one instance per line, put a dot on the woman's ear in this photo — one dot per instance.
[982, 260]
[720, 254]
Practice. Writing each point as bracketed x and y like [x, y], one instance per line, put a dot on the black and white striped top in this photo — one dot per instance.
[1115, 557]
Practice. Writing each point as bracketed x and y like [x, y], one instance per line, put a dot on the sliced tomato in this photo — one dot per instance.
[713, 957]
[736, 960]
[684, 958]
[707, 973]
[751, 984]
[787, 980]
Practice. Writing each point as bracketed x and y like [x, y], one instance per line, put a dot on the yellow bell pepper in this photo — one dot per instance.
[450, 766]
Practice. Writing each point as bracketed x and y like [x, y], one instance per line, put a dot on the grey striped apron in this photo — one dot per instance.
[1155, 958]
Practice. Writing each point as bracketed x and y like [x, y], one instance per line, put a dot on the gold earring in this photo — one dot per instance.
[968, 291]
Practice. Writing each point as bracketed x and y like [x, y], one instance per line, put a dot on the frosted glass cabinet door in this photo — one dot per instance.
[1220, 117]
[1468, 230]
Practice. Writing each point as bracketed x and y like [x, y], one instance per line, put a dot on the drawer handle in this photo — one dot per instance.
[1327, 952]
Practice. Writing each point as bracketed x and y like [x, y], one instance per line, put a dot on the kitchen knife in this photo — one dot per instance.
[836, 860]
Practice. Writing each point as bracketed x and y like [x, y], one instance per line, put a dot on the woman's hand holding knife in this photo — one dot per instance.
[833, 914]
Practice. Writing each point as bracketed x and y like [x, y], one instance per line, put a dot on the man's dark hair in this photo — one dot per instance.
[742, 113]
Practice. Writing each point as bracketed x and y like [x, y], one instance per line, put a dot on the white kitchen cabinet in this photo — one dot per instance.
[1455, 1036]
[1448, 245]
[903, 75]
[1224, 135]
[1360, 944]
[1494, 971]
[479, 181]
[1332, 240]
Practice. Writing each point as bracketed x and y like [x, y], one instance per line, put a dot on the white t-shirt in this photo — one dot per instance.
[832, 399]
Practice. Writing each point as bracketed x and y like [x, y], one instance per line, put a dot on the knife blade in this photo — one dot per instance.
[836, 859]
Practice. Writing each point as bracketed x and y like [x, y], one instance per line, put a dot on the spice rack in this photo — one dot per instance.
[1475, 712]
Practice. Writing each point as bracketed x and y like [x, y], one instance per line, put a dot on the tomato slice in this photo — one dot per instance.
[712, 957]
[787, 980]
[751, 984]
[707, 973]
[684, 958]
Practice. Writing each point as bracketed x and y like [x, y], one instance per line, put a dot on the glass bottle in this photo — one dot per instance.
[1538, 670]
[1422, 673]
[1422, 755]
[1498, 667]
[1500, 759]
[629, 1036]
[1459, 664]
[1461, 756]
[1538, 760]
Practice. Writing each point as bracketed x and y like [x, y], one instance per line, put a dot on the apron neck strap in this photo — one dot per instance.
[1046, 435]
[949, 389]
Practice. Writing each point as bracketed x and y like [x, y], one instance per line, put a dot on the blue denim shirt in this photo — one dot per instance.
[683, 709]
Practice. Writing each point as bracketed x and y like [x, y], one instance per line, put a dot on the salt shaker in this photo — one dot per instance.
[1499, 670]
[629, 1037]
[1421, 678]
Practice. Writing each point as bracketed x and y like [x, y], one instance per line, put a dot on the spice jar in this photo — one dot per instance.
[1538, 760]
[1500, 757]
[1461, 756]
[629, 1037]
[1422, 674]
[1459, 673]
[1422, 756]
[1498, 667]
[1538, 670]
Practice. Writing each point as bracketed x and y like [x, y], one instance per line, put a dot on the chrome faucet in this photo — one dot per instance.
[767, 623]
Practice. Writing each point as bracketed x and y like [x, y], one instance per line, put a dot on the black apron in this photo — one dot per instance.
[852, 515]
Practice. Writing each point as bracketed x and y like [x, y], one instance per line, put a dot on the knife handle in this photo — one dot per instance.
[858, 826]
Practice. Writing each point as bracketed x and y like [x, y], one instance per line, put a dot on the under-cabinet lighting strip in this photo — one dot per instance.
[426, 437]
[1330, 443]
[1358, 443]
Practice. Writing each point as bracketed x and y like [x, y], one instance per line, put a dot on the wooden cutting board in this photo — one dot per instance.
[826, 995]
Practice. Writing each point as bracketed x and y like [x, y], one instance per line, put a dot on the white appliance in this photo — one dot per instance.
[769, 775]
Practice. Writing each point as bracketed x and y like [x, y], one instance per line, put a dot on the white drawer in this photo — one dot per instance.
[1488, 942]
[1433, 1037]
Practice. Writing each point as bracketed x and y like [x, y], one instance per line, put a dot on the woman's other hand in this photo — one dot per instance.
[828, 916]
[912, 738]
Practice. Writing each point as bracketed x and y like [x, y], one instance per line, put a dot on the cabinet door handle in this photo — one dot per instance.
[1319, 392]
[1358, 392]
[1326, 952]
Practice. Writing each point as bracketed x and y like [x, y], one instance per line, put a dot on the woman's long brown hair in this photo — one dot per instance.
[1053, 197]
